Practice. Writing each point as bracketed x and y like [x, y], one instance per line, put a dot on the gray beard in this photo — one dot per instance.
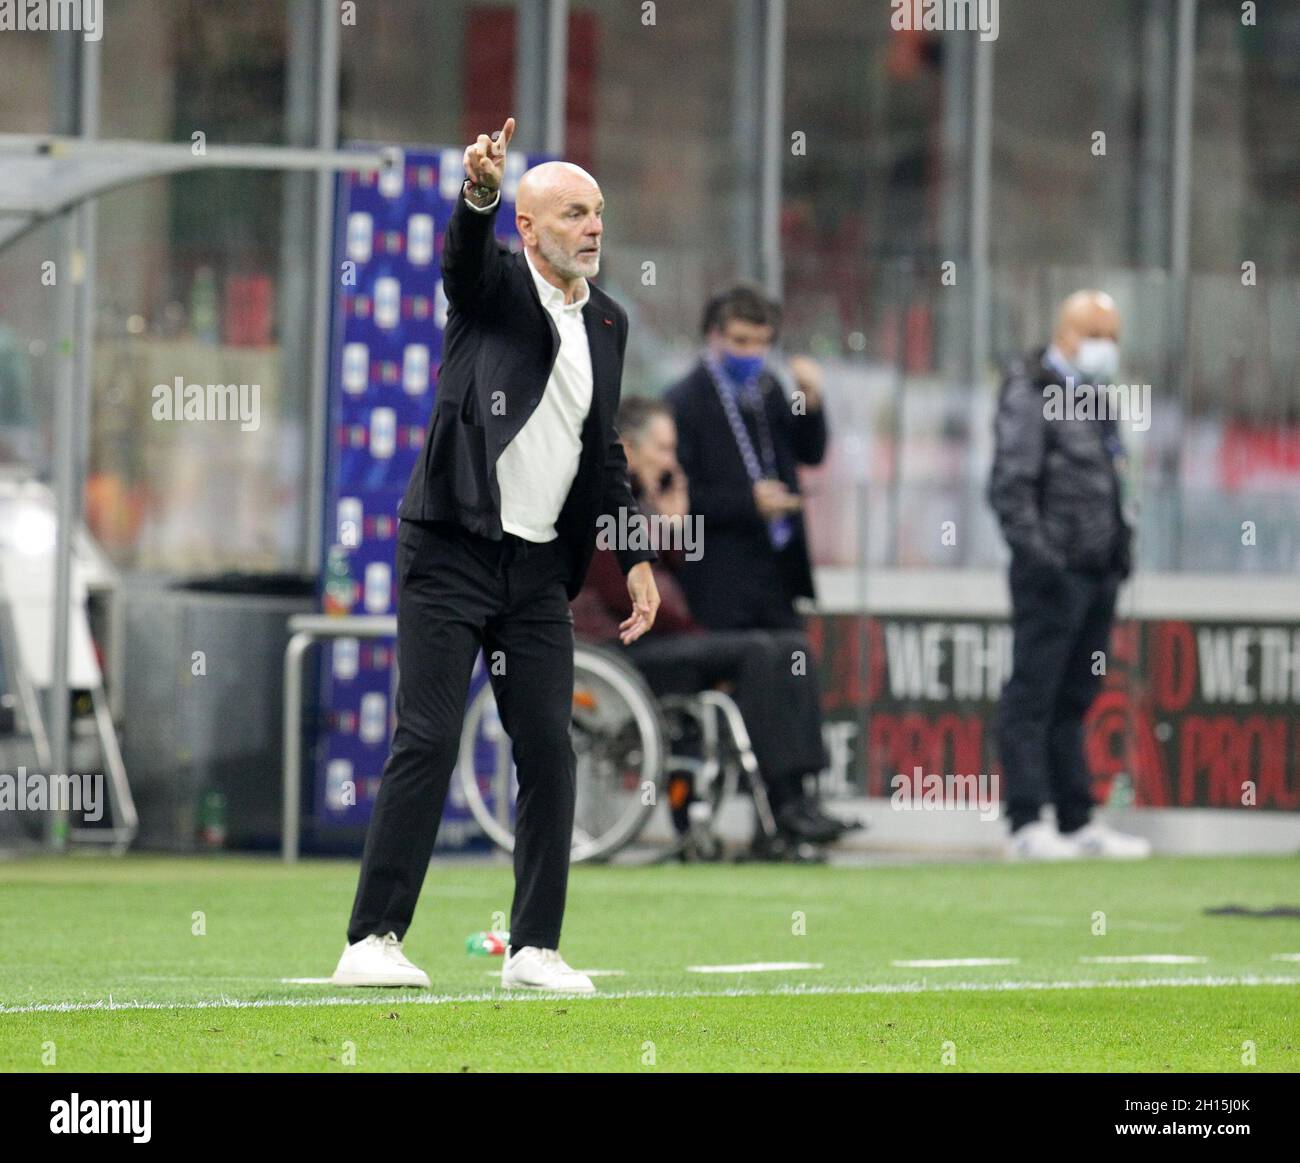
[561, 263]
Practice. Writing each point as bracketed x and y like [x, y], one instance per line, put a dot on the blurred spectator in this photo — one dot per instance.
[741, 442]
[679, 656]
[1057, 489]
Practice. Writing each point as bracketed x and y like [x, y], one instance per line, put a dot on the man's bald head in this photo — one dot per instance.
[559, 211]
[1085, 315]
[552, 181]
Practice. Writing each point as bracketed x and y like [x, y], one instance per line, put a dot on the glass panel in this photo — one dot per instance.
[196, 491]
[188, 289]
[215, 68]
[656, 121]
[388, 92]
[26, 82]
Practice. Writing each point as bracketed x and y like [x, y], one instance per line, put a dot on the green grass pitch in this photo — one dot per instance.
[158, 964]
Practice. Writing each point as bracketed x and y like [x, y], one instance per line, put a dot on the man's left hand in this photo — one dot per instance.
[644, 593]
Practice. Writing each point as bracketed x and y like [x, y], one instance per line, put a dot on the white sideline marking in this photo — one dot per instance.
[1146, 959]
[755, 967]
[947, 962]
[305, 980]
[419, 997]
[1286, 956]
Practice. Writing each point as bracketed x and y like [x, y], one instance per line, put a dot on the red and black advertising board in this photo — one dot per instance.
[1189, 714]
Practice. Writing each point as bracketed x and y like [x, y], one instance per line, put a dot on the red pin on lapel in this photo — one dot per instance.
[609, 322]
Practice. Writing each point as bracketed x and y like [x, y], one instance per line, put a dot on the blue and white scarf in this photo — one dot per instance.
[731, 393]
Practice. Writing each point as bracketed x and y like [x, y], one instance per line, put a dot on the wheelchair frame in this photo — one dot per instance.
[726, 751]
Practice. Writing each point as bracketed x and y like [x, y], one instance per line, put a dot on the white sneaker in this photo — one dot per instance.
[1100, 841]
[534, 968]
[378, 960]
[1040, 841]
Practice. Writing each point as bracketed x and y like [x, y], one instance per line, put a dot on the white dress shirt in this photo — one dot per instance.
[537, 467]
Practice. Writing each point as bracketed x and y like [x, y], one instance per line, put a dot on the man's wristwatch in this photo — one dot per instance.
[479, 195]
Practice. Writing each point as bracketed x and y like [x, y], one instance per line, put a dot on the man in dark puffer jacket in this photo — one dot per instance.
[1056, 488]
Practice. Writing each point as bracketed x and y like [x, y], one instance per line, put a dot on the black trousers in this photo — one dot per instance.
[781, 708]
[1059, 625]
[457, 592]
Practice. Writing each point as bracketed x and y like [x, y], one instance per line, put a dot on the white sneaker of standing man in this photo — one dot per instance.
[1097, 840]
[1040, 841]
[378, 961]
[534, 968]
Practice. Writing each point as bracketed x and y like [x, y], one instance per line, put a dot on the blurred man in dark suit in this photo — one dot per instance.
[1056, 486]
[740, 441]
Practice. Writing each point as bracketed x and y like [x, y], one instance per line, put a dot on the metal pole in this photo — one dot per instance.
[75, 338]
[557, 69]
[530, 68]
[981, 152]
[746, 128]
[773, 146]
[163, 157]
[1153, 176]
[65, 444]
[87, 237]
[955, 217]
[906, 288]
[1184, 75]
[86, 219]
[294, 300]
[291, 774]
[327, 133]
[1180, 224]
[980, 308]
[541, 70]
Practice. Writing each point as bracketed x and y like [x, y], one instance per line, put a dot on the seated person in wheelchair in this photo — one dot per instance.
[776, 691]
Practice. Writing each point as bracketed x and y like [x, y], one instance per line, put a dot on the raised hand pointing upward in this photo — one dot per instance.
[485, 163]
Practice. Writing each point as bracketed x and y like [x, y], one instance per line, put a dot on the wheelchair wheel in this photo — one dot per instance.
[618, 741]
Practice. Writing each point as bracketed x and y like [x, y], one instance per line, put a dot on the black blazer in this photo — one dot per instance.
[739, 564]
[498, 352]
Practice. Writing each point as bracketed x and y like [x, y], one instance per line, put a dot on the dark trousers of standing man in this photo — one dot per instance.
[457, 592]
[1059, 625]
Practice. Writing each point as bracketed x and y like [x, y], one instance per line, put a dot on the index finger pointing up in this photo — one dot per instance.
[503, 138]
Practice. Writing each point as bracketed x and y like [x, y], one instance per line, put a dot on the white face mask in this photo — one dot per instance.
[1097, 359]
